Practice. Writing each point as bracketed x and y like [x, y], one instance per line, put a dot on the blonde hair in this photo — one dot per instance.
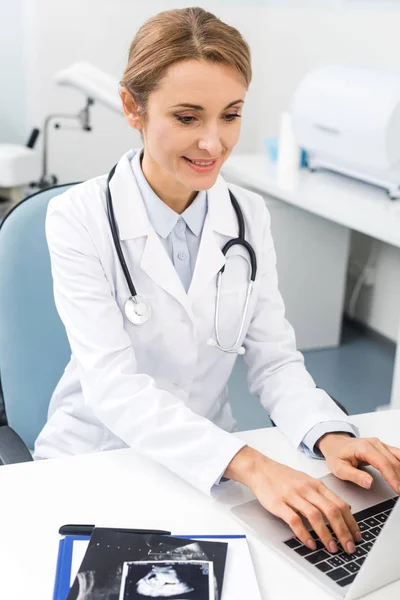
[172, 36]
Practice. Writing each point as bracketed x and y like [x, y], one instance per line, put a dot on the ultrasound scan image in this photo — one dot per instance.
[164, 579]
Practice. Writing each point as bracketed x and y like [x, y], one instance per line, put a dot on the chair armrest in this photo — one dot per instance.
[12, 448]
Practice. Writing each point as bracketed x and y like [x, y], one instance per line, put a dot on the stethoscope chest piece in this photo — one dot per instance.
[137, 310]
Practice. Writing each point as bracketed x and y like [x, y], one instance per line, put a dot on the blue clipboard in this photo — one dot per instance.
[65, 552]
[64, 565]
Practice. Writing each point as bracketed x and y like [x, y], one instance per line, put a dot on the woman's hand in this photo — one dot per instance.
[291, 495]
[345, 454]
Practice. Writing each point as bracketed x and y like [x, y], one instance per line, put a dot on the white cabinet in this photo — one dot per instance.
[312, 256]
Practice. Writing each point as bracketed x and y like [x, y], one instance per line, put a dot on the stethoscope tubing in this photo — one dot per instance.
[239, 241]
[115, 234]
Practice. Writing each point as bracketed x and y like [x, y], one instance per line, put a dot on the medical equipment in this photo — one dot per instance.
[348, 120]
[92, 82]
[138, 308]
[19, 167]
[98, 87]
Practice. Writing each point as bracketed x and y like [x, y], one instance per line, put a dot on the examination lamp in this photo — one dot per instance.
[97, 86]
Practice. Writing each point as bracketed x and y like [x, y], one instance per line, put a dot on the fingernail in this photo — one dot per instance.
[358, 536]
[311, 544]
[367, 482]
[350, 547]
[332, 546]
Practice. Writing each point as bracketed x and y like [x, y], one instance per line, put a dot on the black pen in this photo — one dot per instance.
[88, 529]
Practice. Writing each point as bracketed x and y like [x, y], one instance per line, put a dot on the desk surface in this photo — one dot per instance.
[121, 488]
[343, 200]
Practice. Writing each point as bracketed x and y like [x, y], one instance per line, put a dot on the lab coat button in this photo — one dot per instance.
[181, 255]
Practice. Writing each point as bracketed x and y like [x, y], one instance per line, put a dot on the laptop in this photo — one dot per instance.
[376, 561]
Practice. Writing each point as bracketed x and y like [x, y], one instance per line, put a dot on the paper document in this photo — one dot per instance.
[239, 581]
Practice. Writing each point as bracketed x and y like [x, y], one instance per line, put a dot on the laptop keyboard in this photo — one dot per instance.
[342, 567]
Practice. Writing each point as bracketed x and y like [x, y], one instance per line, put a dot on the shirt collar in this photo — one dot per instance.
[195, 214]
[162, 218]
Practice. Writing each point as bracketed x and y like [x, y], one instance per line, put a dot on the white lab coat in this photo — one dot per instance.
[159, 387]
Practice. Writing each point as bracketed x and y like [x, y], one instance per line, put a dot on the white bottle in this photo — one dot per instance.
[288, 154]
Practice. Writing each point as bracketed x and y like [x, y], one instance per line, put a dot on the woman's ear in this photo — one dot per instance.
[131, 109]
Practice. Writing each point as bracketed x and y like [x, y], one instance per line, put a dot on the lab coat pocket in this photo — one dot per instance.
[149, 339]
[66, 433]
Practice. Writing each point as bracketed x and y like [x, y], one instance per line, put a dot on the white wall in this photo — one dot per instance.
[286, 40]
[13, 121]
[101, 32]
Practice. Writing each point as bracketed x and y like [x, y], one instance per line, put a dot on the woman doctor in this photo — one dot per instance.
[159, 386]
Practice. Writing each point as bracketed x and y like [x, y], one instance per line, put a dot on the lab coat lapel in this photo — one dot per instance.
[220, 225]
[129, 209]
[158, 265]
[133, 222]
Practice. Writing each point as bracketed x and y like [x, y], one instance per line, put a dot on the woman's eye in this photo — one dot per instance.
[232, 117]
[185, 120]
[188, 120]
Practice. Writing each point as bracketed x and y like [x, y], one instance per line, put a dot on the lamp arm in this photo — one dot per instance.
[83, 116]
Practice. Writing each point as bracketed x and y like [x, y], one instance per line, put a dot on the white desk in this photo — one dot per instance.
[343, 200]
[123, 489]
[347, 202]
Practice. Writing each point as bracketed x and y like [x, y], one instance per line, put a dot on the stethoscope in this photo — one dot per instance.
[138, 309]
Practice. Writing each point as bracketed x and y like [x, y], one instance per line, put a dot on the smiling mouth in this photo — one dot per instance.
[201, 163]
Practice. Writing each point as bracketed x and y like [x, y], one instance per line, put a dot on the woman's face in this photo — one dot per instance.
[193, 116]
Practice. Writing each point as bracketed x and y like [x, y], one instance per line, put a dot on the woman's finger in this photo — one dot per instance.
[367, 450]
[296, 524]
[334, 512]
[381, 447]
[377, 456]
[393, 451]
[316, 520]
[344, 470]
[346, 512]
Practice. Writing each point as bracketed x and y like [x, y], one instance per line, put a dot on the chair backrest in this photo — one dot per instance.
[34, 348]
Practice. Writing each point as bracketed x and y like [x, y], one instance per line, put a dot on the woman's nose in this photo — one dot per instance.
[211, 142]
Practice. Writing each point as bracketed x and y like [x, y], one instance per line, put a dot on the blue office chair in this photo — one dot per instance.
[34, 348]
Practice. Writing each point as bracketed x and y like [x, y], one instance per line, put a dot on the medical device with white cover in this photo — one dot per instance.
[348, 120]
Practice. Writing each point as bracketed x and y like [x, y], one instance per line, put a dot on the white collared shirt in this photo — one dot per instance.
[179, 234]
